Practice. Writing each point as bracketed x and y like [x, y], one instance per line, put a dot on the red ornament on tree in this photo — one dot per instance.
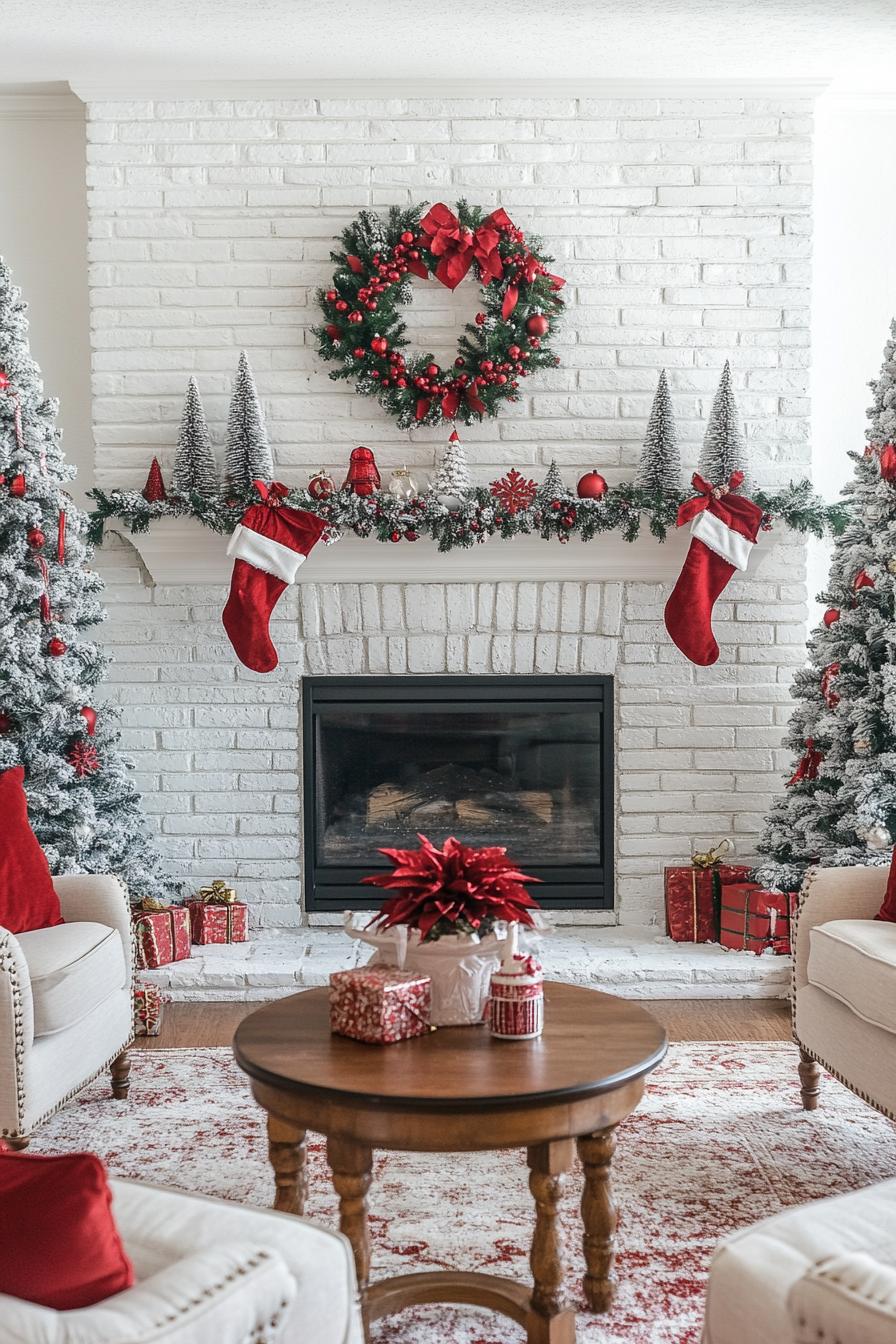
[829, 695]
[808, 765]
[831, 616]
[862, 580]
[17, 486]
[513, 492]
[36, 539]
[154, 489]
[89, 717]
[321, 485]
[4, 381]
[57, 647]
[363, 476]
[5, 721]
[537, 325]
[888, 462]
[84, 758]
[591, 486]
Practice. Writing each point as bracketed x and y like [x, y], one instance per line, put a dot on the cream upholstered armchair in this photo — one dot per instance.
[66, 1004]
[208, 1272]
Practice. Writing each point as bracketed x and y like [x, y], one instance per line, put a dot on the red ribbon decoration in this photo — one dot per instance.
[708, 496]
[808, 764]
[46, 613]
[458, 247]
[451, 402]
[271, 493]
[888, 462]
[60, 542]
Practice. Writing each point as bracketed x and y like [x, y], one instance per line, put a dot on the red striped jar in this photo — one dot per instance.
[516, 1000]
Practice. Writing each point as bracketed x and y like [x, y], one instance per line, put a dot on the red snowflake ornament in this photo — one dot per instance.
[513, 492]
[84, 758]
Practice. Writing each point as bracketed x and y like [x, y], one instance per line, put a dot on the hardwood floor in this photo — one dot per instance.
[207, 1024]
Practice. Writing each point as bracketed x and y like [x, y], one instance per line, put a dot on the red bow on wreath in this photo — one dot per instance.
[458, 247]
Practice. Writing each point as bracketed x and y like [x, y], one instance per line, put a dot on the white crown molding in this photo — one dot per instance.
[858, 100]
[41, 107]
[92, 91]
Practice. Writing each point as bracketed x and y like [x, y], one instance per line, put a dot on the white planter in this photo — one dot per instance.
[459, 966]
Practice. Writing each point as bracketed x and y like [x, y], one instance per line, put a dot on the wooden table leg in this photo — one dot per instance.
[549, 1321]
[286, 1150]
[351, 1165]
[599, 1215]
[810, 1080]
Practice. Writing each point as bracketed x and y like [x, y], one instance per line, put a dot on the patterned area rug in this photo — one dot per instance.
[720, 1140]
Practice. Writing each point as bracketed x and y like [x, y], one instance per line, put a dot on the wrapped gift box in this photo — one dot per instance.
[149, 1004]
[162, 936]
[380, 1004]
[753, 919]
[693, 899]
[210, 923]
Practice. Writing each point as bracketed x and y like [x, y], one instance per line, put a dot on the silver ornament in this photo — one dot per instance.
[878, 837]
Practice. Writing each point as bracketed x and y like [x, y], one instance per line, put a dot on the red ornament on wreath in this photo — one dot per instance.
[591, 486]
[513, 492]
[448, 245]
[363, 476]
[321, 485]
[84, 758]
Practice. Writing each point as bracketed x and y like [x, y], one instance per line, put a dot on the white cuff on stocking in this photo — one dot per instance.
[264, 553]
[722, 539]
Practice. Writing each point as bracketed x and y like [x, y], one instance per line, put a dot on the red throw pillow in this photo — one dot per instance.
[888, 909]
[28, 898]
[59, 1246]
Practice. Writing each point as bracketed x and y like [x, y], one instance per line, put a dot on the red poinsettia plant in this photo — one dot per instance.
[455, 889]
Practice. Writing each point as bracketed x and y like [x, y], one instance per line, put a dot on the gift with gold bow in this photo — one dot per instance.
[693, 894]
[216, 916]
[217, 893]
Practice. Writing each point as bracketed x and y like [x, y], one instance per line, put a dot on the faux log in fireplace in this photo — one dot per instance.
[525, 762]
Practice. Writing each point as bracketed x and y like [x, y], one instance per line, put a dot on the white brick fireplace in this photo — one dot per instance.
[680, 219]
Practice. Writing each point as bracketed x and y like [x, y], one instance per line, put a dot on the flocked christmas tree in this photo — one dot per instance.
[552, 486]
[660, 466]
[81, 802]
[724, 451]
[195, 469]
[248, 456]
[839, 807]
[452, 480]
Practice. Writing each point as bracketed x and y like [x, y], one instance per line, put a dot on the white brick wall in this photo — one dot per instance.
[682, 227]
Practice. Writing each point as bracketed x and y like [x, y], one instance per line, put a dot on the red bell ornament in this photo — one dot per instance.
[591, 486]
[89, 716]
[537, 325]
[888, 462]
[57, 647]
[363, 476]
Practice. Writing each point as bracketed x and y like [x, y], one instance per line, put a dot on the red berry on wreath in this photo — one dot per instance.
[407, 237]
[591, 486]
[460, 362]
[359, 352]
[537, 325]
[411, 535]
[379, 345]
[556, 505]
[567, 521]
[514, 351]
[831, 616]
[330, 296]
[371, 305]
[479, 319]
[36, 538]
[342, 306]
[356, 317]
[333, 332]
[57, 647]
[395, 536]
[401, 382]
[432, 370]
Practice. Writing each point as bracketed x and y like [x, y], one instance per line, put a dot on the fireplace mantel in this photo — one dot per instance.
[180, 551]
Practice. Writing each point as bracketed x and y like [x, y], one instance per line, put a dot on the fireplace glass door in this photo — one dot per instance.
[524, 762]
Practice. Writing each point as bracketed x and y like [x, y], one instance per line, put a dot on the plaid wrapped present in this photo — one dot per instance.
[149, 1004]
[693, 897]
[380, 1004]
[753, 919]
[163, 935]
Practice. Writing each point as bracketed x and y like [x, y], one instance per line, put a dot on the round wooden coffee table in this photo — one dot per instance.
[456, 1090]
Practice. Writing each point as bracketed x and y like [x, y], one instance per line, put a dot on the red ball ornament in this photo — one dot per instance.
[330, 296]
[432, 370]
[333, 331]
[537, 325]
[407, 237]
[342, 306]
[17, 486]
[89, 716]
[57, 647]
[379, 345]
[355, 317]
[36, 538]
[479, 319]
[591, 486]
[321, 485]
[831, 616]
[395, 536]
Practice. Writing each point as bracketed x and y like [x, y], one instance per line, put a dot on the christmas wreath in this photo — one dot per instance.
[507, 340]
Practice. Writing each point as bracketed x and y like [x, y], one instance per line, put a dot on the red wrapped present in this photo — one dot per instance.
[149, 1002]
[753, 919]
[380, 1004]
[214, 919]
[163, 935]
[693, 899]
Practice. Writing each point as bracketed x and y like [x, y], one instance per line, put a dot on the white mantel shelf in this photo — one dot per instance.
[180, 551]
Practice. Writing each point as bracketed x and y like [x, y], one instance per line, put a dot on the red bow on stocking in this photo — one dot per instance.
[458, 247]
[272, 492]
[808, 763]
[707, 497]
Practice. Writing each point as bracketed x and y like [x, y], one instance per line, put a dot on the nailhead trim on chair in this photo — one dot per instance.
[258, 1333]
[884, 1110]
[9, 965]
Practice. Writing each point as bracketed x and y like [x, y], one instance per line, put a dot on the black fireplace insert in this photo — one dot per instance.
[525, 762]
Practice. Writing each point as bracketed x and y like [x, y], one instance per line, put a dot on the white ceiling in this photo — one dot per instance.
[852, 41]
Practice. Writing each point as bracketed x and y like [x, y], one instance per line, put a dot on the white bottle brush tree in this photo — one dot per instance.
[452, 480]
[83, 806]
[660, 467]
[839, 807]
[195, 470]
[724, 451]
[248, 455]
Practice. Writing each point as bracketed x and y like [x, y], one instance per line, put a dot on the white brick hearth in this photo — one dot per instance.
[682, 226]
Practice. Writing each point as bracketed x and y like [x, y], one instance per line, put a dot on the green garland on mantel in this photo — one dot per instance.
[478, 516]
